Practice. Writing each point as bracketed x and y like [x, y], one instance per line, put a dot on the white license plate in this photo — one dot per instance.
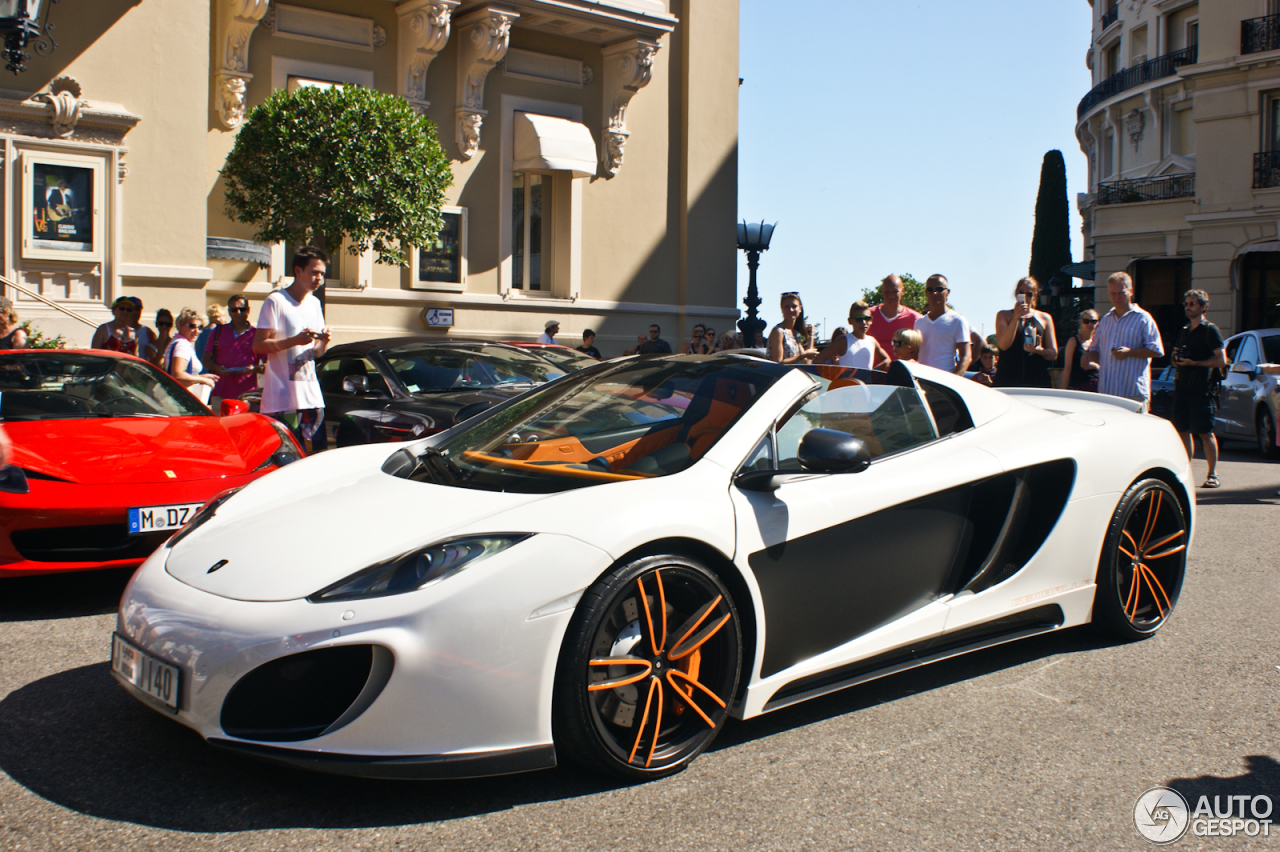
[159, 518]
[154, 677]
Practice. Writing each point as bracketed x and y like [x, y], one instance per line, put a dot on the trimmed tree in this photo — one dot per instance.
[1051, 240]
[314, 165]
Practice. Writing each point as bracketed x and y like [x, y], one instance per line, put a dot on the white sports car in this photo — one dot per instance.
[604, 569]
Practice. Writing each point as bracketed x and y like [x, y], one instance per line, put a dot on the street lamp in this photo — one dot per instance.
[753, 239]
[19, 24]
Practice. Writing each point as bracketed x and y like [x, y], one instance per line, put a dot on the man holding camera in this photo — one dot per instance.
[292, 334]
[1198, 355]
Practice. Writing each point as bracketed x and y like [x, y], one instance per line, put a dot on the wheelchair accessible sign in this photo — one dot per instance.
[438, 317]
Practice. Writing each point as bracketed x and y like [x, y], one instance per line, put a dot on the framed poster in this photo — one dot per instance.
[443, 264]
[62, 207]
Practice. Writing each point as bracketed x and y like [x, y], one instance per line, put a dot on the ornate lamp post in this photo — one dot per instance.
[19, 24]
[753, 239]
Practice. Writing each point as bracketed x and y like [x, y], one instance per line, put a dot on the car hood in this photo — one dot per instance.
[139, 450]
[319, 520]
[443, 407]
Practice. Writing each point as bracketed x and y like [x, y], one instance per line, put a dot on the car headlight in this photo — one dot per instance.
[418, 568]
[13, 480]
[288, 452]
[203, 514]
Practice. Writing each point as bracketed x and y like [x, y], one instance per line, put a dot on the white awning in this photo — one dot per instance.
[547, 144]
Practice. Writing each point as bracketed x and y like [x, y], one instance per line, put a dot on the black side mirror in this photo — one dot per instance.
[355, 384]
[832, 451]
[469, 411]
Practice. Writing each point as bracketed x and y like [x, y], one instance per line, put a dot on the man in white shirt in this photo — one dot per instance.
[292, 334]
[944, 332]
[551, 329]
[1126, 340]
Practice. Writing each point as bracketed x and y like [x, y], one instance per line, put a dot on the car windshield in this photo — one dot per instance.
[441, 367]
[569, 359]
[54, 385]
[631, 420]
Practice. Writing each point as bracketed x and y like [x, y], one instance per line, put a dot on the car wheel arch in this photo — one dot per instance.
[1170, 479]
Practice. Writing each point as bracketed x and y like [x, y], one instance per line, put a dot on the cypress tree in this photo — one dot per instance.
[1051, 240]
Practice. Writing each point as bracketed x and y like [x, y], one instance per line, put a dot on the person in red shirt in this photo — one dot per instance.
[891, 315]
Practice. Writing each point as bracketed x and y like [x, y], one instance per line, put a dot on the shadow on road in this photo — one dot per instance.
[1261, 779]
[77, 739]
[68, 595]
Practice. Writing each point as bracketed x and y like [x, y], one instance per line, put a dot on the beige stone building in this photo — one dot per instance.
[1182, 133]
[593, 146]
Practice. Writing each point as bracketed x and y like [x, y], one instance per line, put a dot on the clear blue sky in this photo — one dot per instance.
[904, 137]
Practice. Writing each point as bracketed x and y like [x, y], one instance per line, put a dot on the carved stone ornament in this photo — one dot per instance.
[485, 35]
[424, 31]
[122, 167]
[587, 75]
[628, 67]
[63, 100]
[379, 36]
[237, 20]
[1133, 124]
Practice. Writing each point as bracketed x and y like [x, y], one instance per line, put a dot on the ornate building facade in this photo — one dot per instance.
[593, 145]
[1182, 134]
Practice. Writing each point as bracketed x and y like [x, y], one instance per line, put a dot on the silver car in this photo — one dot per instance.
[1249, 401]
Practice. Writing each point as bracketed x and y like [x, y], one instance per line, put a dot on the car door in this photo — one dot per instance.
[332, 371]
[1235, 400]
[852, 564]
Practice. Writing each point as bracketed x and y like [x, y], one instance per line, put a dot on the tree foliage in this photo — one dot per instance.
[36, 339]
[313, 165]
[913, 295]
[1051, 240]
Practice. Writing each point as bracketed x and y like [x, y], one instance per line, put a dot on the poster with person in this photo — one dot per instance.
[444, 261]
[62, 207]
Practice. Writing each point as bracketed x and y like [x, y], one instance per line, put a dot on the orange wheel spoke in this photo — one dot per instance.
[614, 683]
[657, 723]
[1162, 542]
[1152, 578]
[1152, 515]
[662, 604]
[700, 639]
[688, 696]
[1177, 549]
[1155, 599]
[654, 683]
[1133, 596]
[697, 618]
[648, 617]
[1132, 543]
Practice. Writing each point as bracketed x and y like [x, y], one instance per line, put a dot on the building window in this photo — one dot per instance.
[1259, 290]
[1111, 64]
[530, 210]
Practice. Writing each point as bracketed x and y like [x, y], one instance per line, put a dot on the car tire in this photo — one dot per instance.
[674, 629]
[1267, 434]
[1143, 562]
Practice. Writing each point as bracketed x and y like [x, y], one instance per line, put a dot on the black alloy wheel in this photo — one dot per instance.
[1143, 562]
[1267, 434]
[649, 667]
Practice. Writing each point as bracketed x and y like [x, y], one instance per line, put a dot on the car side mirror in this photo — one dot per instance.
[231, 407]
[469, 411]
[1244, 367]
[833, 451]
[355, 384]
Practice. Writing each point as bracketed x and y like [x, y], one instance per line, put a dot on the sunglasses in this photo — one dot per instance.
[792, 293]
[243, 310]
[133, 309]
[164, 325]
[1089, 321]
[935, 289]
[859, 319]
[195, 325]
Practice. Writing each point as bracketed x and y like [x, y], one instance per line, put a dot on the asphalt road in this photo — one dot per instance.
[1045, 744]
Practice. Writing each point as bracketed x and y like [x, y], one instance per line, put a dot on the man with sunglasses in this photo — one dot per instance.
[229, 354]
[1199, 354]
[945, 333]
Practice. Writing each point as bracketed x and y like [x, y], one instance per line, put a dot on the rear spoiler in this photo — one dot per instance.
[1069, 401]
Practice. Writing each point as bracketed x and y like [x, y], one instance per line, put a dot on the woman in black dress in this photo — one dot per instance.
[1026, 341]
[1075, 376]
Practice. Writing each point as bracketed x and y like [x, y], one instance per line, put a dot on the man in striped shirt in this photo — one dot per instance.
[1124, 344]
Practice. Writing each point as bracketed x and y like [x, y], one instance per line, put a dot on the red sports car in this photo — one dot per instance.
[111, 456]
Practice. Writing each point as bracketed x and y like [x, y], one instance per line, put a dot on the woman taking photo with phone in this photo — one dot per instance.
[1026, 341]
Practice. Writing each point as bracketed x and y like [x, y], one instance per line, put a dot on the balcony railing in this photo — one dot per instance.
[1266, 169]
[1129, 78]
[1110, 16]
[1259, 34]
[1147, 189]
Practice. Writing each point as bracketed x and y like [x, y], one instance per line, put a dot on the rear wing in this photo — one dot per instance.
[1069, 401]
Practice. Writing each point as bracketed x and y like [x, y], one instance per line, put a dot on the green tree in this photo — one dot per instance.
[1051, 240]
[311, 166]
[913, 295]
